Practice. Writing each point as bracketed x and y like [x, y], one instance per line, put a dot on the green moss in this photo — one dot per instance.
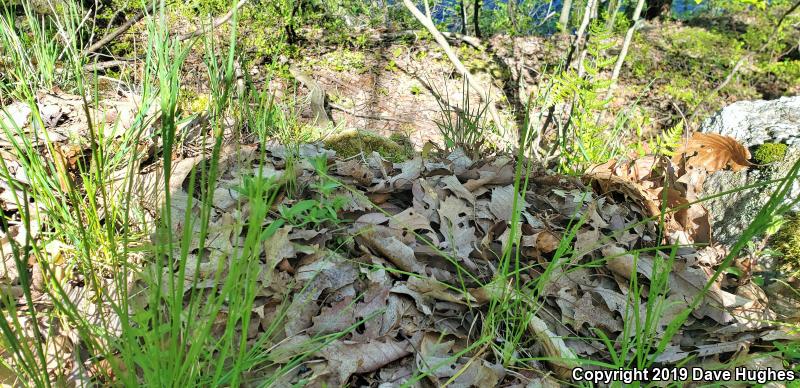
[404, 141]
[343, 60]
[785, 71]
[352, 142]
[787, 242]
[701, 43]
[768, 153]
[192, 102]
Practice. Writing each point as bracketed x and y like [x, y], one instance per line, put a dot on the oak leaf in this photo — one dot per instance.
[714, 152]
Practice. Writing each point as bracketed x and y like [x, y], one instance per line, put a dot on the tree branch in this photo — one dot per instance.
[474, 82]
[216, 23]
[119, 30]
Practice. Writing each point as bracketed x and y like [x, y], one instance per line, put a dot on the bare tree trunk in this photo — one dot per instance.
[656, 8]
[427, 9]
[463, 9]
[386, 20]
[563, 18]
[595, 8]
[473, 82]
[580, 40]
[291, 34]
[626, 44]
[613, 10]
[512, 14]
[476, 17]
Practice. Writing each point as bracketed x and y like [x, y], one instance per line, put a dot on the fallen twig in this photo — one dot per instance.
[119, 30]
[474, 82]
[352, 112]
[216, 23]
[98, 66]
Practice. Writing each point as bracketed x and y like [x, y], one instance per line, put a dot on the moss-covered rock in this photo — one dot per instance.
[352, 142]
[404, 141]
[769, 153]
[787, 242]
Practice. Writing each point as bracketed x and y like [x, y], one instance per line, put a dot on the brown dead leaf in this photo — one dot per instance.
[338, 317]
[546, 242]
[714, 152]
[502, 202]
[410, 220]
[355, 169]
[347, 357]
[276, 248]
[409, 173]
[454, 185]
[595, 315]
[392, 249]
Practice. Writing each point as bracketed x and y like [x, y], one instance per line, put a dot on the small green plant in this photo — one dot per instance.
[588, 138]
[787, 242]
[416, 89]
[315, 212]
[33, 56]
[785, 71]
[345, 60]
[681, 89]
[769, 153]
[666, 142]
[703, 44]
[462, 126]
[391, 66]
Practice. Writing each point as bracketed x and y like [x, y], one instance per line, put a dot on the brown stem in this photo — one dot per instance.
[119, 30]
[473, 82]
[216, 23]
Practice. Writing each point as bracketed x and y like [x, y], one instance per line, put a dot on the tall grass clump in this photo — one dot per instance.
[585, 139]
[152, 326]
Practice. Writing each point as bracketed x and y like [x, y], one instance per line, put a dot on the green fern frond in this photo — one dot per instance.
[669, 140]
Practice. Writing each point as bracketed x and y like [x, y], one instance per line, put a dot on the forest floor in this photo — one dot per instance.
[390, 83]
[290, 264]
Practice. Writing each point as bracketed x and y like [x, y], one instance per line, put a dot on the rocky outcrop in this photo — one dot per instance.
[753, 123]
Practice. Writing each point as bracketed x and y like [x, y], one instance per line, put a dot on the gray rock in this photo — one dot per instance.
[752, 123]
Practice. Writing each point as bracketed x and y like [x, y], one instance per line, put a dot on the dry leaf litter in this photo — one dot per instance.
[409, 271]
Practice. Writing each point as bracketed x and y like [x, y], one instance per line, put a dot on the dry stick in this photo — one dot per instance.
[476, 18]
[99, 66]
[440, 39]
[470, 40]
[625, 46]
[744, 58]
[579, 44]
[580, 40]
[563, 17]
[119, 30]
[216, 23]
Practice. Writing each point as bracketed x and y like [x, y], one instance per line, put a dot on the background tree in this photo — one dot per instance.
[563, 18]
[657, 8]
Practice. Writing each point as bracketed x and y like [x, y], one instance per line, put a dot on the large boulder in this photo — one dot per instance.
[753, 123]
